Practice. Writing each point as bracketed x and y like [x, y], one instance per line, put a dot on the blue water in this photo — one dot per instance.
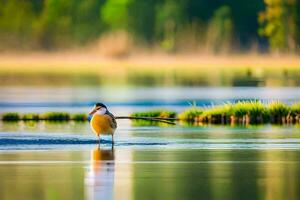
[123, 100]
[151, 137]
[47, 160]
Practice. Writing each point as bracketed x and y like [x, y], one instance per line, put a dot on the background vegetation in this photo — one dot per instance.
[182, 25]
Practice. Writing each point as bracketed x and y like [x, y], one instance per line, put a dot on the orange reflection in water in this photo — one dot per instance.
[99, 178]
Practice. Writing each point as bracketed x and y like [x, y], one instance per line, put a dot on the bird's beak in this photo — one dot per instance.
[94, 110]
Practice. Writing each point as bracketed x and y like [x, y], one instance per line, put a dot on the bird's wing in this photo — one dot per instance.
[112, 120]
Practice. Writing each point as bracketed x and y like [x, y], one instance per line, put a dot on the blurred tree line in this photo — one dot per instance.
[173, 25]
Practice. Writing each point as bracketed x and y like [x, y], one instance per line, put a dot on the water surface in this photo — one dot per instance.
[47, 160]
[62, 161]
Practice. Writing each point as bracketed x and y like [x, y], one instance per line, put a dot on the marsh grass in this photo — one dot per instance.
[243, 113]
[294, 115]
[31, 116]
[249, 112]
[79, 117]
[155, 113]
[49, 116]
[56, 116]
[278, 112]
[190, 114]
[140, 122]
[11, 116]
[216, 114]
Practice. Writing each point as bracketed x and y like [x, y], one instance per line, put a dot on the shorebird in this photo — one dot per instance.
[102, 121]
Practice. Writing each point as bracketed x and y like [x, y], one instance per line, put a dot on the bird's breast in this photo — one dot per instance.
[101, 124]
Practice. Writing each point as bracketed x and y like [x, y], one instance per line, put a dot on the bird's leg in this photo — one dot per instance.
[112, 140]
[98, 141]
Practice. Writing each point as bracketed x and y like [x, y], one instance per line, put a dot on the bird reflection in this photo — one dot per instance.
[99, 178]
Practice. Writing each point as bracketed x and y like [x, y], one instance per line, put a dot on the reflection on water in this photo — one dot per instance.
[214, 162]
[40, 175]
[216, 174]
[203, 76]
[151, 174]
[99, 178]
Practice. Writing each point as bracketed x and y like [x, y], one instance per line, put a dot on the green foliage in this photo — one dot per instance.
[56, 116]
[278, 112]
[216, 114]
[190, 114]
[31, 116]
[51, 116]
[216, 25]
[277, 108]
[240, 109]
[79, 117]
[138, 122]
[155, 113]
[219, 36]
[16, 21]
[114, 14]
[295, 109]
[169, 17]
[278, 24]
[11, 117]
[257, 112]
[141, 21]
[217, 111]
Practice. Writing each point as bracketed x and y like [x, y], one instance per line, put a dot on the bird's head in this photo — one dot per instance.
[98, 108]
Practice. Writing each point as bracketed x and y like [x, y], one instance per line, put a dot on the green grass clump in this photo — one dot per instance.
[190, 114]
[31, 116]
[295, 109]
[56, 116]
[155, 113]
[294, 114]
[11, 116]
[141, 122]
[249, 112]
[240, 109]
[216, 114]
[257, 112]
[79, 117]
[278, 112]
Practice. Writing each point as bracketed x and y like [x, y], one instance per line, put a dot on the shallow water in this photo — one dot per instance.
[175, 162]
[47, 160]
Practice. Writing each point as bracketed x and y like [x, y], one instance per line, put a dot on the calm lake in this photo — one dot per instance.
[61, 160]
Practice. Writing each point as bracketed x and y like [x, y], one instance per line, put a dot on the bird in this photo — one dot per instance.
[102, 121]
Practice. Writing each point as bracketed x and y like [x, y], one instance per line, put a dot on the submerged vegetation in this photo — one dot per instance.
[243, 112]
